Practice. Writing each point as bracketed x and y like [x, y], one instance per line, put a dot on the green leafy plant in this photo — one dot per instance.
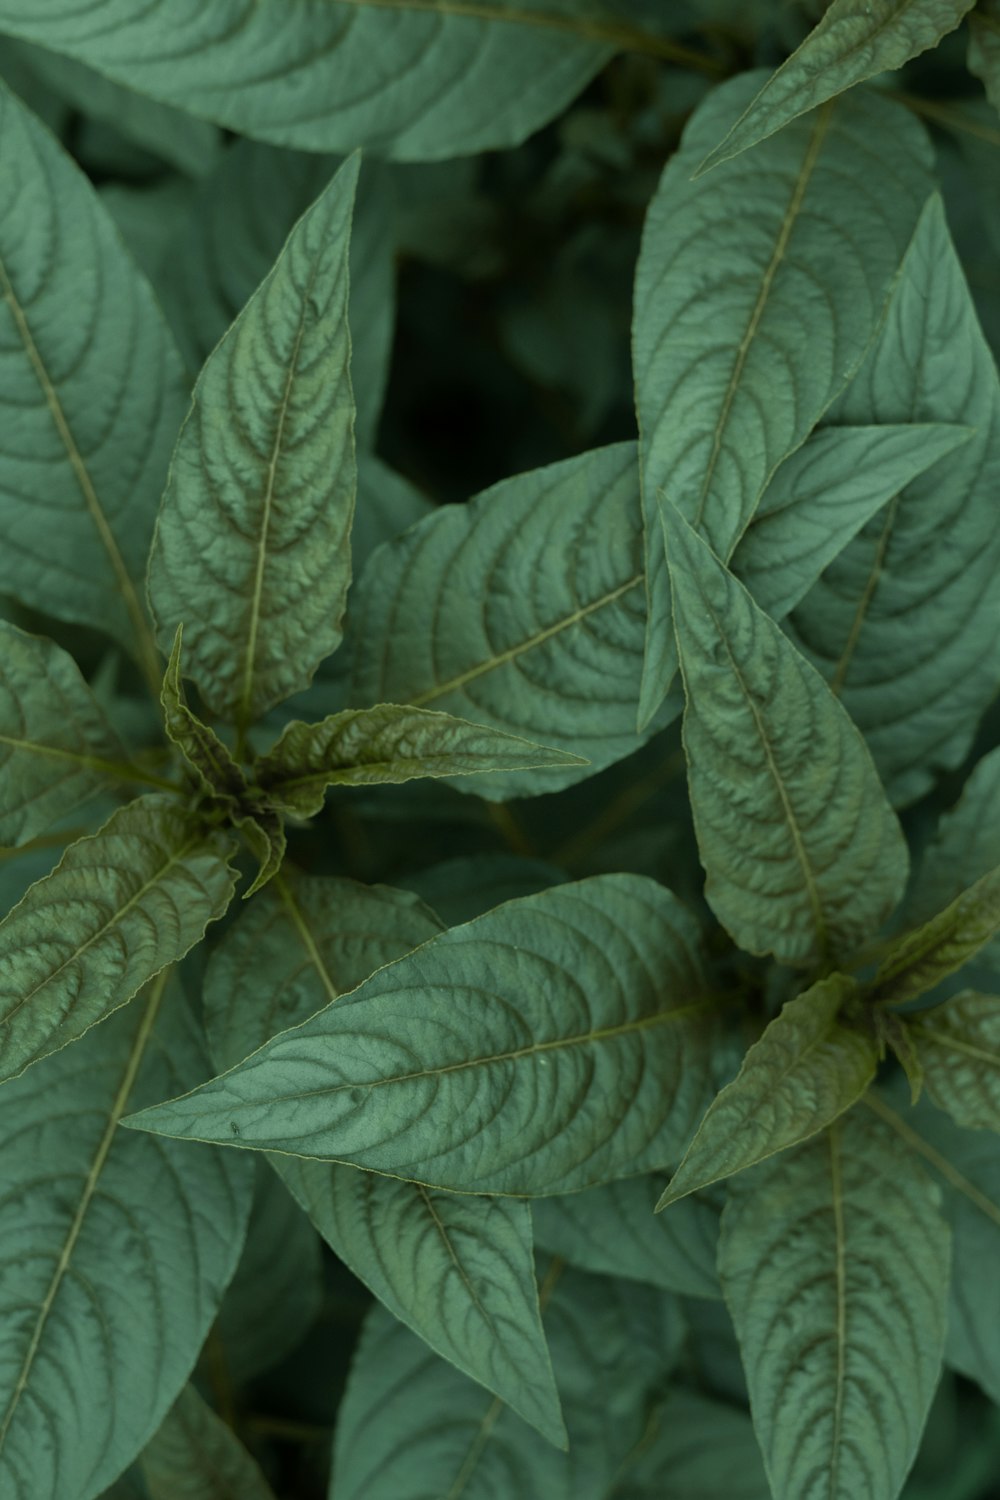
[499, 998]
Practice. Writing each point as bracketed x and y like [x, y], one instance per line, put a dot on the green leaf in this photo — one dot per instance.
[117, 1249]
[120, 906]
[804, 857]
[388, 743]
[93, 392]
[465, 887]
[555, 1043]
[743, 333]
[252, 546]
[958, 1045]
[697, 1449]
[904, 624]
[822, 495]
[984, 47]
[805, 1070]
[854, 41]
[834, 1261]
[195, 1456]
[921, 959]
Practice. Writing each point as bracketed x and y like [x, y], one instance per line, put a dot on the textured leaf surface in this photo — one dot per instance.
[958, 1045]
[921, 959]
[904, 624]
[56, 745]
[116, 1251]
[388, 743]
[195, 1456]
[984, 47]
[855, 40]
[93, 393]
[834, 1261]
[698, 1449]
[806, 1069]
[120, 906]
[803, 855]
[745, 330]
[252, 547]
[555, 1043]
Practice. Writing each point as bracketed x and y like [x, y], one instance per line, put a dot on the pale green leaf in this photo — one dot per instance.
[252, 545]
[120, 906]
[958, 1045]
[745, 329]
[804, 857]
[920, 959]
[695, 1448]
[834, 1260]
[93, 393]
[552, 1044]
[854, 41]
[805, 1070]
[388, 743]
[195, 1456]
[903, 625]
[984, 47]
[117, 1249]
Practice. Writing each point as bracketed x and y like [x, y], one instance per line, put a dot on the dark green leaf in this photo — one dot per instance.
[984, 47]
[695, 1449]
[195, 1456]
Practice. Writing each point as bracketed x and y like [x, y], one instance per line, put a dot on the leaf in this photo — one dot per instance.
[120, 906]
[465, 887]
[117, 1250]
[195, 1456]
[920, 959]
[834, 1261]
[804, 1071]
[984, 47]
[743, 333]
[803, 855]
[555, 1043]
[252, 546]
[388, 743]
[822, 495]
[94, 393]
[958, 1045]
[854, 41]
[698, 1449]
[903, 625]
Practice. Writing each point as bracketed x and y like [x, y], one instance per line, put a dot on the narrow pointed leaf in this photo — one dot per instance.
[803, 855]
[195, 1456]
[834, 1261]
[958, 1045]
[854, 41]
[555, 1043]
[256, 517]
[729, 316]
[984, 47]
[921, 959]
[805, 1070]
[120, 906]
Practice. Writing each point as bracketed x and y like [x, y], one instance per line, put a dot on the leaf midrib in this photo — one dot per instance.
[940, 1163]
[120, 770]
[957, 1044]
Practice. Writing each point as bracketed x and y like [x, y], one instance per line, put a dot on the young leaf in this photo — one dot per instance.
[388, 743]
[921, 959]
[958, 1046]
[803, 855]
[806, 1069]
[855, 40]
[743, 334]
[195, 1456]
[93, 392]
[984, 47]
[834, 1261]
[904, 624]
[555, 1043]
[252, 545]
[117, 1249]
[120, 906]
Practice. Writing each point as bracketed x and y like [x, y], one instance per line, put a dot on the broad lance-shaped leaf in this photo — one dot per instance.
[745, 331]
[92, 394]
[984, 47]
[457, 1270]
[855, 40]
[921, 959]
[119, 907]
[116, 1251]
[834, 1261]
[904, 624]
[958, 1046]
[803, 855]
[805, 1070]
[554, 1043]
[252, 545]
[388, 743]
[196, 1456]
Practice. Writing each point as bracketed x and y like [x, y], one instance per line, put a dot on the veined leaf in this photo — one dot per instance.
[803, 855]
[119, 907]
[921, 959]
[93, 390]
[252, 545]
[903, 625]
[117, 1249]
[984, 47]
[552, 1044]
[958, 1046]
[834, 1261]
[805, 1070]
[195, 1456]
[462, 888]
[695, 1448]
[388, 743]
[855, 40]
[745, 331]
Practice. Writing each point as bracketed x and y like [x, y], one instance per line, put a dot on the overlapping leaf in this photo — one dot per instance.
[920, 959]
[958, 1047]
[195, 1456]
[984, 47]
[698, 1448]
